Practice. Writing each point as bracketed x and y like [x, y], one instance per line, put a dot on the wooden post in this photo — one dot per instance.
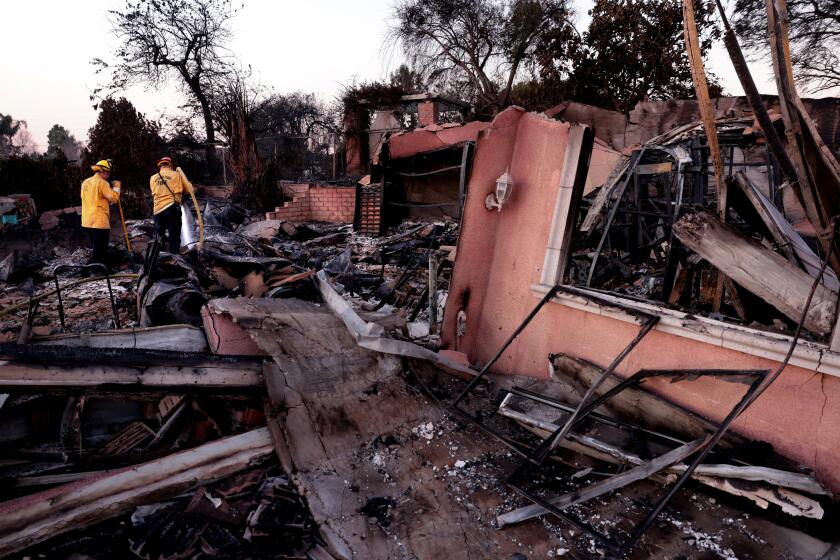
[701, 87]
[780, 51]
[433, 274]
[221, 376]
[819, 171]
[71, 427]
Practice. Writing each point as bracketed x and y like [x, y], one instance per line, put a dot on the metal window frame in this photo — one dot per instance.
[538, 456]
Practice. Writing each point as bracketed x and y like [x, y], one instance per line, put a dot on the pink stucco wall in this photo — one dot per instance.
[500, 254]
[433, 137]
[224, 336]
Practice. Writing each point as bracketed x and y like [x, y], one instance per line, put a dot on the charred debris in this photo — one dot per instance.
[652, 233]
[127, 432]
[281, 390]
[279, 393]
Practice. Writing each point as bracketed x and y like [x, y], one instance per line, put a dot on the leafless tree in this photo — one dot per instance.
[814, 37]
[184, 38]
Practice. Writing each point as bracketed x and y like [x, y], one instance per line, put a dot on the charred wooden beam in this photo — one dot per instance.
[790, 242]
[168, 337]
[51, 372]
[704, 103]
[32, 519]
[71, 426]
[113, 356]
[817, 168]
[634, 404]
[761, 271]
[698, 75]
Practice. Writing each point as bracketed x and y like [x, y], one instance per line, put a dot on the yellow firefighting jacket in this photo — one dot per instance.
[96, 195]
[165, 197]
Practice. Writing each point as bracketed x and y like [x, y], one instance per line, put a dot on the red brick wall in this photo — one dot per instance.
[292, 211]
[333, 204]
[370, 209]
[326, 204]
[428, 113]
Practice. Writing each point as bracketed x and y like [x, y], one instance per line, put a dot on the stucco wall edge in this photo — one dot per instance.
[808, 355]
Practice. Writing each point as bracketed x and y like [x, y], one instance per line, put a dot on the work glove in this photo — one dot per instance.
[117, 186]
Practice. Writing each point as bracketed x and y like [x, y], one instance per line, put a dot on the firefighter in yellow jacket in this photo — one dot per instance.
[97, 194]
[168, 187]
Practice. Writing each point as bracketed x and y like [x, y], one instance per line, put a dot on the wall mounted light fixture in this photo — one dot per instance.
[504, 187]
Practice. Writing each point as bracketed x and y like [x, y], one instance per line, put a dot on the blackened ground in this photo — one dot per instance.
[695, 525]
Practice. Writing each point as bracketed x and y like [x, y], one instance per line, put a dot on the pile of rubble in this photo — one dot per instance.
[293, 390]
[118, 406]
[261, 258]
[265, 396]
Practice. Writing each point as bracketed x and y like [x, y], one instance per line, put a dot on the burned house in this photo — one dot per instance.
[416, 153]
[633, 256]
[369, 122]
[536, 361]
[420, 159]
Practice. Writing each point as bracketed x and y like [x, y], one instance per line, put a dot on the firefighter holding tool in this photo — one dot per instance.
[97, 196]
[168, 186]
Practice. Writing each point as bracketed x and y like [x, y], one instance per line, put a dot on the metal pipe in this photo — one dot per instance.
[92, 266]
[427, 173]
[631, 172]
[615, 423]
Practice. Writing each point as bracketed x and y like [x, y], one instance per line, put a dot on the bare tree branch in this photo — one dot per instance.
[184, 37]
[814, 37]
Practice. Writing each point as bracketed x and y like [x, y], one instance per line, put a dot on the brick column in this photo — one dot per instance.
[428, 113]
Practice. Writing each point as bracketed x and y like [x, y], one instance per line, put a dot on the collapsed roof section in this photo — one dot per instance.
[649, 119]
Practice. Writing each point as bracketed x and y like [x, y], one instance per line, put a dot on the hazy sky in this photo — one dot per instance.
[311, 45]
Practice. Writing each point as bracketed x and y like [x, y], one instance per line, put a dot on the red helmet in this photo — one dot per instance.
[166, 160]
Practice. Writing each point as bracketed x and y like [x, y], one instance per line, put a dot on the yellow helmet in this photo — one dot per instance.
[102, 165]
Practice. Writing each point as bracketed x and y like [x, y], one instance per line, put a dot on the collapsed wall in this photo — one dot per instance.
[500, 275]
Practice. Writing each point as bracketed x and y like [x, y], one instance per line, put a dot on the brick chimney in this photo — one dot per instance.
[428, 113]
